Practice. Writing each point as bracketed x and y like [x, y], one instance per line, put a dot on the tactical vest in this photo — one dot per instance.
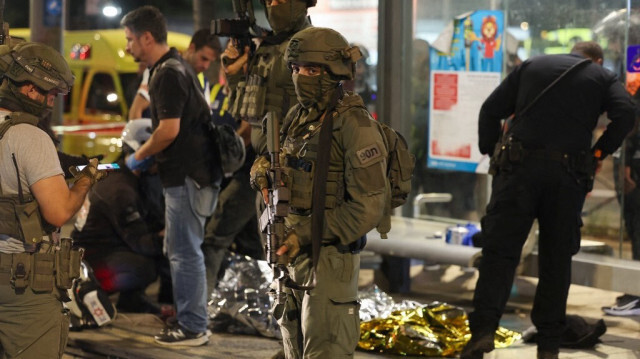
[300, 151]
[267, 88]
[20, 215]
[299, 155]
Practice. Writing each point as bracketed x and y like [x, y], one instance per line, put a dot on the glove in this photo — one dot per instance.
[290, 246]
[90, 171]
[141, 165]
[258, 174]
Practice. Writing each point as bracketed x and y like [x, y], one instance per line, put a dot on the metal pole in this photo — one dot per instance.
[47, 26]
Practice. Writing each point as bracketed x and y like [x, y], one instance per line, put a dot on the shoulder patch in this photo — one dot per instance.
[369, 153]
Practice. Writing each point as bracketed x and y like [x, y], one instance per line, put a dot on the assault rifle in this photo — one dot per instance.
[242, 29]
[272, 219]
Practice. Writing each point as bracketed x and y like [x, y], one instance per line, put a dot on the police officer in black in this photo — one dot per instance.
[544, 170]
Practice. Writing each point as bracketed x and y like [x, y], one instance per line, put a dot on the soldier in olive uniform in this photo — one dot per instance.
[266, 85]
[323, 322]
[36, 266]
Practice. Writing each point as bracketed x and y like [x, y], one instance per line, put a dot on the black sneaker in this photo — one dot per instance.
[181, 336]
[632, 307]
[625, 299]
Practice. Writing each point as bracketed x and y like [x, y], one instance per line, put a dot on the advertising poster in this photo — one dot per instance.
[466, 65]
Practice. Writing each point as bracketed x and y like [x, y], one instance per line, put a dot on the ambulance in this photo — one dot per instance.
[106, 80]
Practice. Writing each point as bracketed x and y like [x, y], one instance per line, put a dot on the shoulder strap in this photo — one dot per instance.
[13, 119]
[546, 89]
[16, 118]
[179, 66]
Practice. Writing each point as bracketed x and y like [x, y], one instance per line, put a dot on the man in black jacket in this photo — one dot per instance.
[544, 171]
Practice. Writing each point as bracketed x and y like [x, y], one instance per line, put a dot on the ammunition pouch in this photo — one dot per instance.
[41, 271]
[67, 263]
[22, 220]
[254, 97]
[237, 103]
[299, 178]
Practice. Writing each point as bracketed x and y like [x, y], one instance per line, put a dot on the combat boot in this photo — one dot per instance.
[477, 346]
[542, 354]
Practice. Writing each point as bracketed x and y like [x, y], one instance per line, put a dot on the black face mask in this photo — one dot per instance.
[314, 91]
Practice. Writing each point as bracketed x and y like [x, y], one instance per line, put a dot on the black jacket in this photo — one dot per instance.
[564, 118]
[124, 213]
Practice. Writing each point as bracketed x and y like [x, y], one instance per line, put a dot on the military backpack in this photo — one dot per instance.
[400, 165]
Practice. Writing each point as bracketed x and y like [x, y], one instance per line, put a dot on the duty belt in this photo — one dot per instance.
[41, 271]
[545, 154]
[354, 248]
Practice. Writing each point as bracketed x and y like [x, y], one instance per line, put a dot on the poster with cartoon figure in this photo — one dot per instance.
[473, 42]
[466, 65]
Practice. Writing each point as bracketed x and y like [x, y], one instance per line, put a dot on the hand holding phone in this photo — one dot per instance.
[92, 172]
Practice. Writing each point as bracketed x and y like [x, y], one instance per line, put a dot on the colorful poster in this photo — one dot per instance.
[466, 65]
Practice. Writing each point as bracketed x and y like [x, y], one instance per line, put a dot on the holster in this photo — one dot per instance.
[506, 153]
[584, 168]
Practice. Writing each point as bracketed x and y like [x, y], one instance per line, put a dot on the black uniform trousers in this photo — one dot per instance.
[542, 189]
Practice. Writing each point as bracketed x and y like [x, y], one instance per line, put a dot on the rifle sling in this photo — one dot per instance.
[319, 190]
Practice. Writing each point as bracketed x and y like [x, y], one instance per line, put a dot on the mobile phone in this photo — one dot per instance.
[103, 167]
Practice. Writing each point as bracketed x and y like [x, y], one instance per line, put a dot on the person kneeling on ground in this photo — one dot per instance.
[121, 228]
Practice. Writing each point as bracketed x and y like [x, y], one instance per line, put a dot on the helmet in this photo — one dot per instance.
[136, 132]
[41, 65]
[323, 46]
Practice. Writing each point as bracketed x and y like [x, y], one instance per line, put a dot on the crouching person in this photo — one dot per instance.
[121, 228]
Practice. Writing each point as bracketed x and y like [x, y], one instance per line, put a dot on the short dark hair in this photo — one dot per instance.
[147, 18]
[203, 37]
[589, 49]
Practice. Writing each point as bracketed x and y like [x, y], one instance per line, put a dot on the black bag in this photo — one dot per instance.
[230, 148]
[578, 333]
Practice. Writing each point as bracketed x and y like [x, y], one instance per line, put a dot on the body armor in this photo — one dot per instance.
[267, 88]
[298, 156]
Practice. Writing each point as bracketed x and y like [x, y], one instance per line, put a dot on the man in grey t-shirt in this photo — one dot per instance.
[34, 189]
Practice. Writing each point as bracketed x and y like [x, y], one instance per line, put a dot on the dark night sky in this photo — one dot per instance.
[16, 12]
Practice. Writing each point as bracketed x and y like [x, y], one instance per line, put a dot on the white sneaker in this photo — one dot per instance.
[626, 309]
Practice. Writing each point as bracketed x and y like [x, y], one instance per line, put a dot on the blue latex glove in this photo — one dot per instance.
[141, 165]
